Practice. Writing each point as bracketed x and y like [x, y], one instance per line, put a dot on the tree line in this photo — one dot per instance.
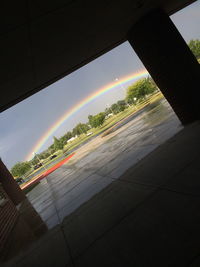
[194, 46]
[135, 93]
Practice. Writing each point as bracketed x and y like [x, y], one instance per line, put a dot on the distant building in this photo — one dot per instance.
[71, 139]
[109, 115]
[89, 133]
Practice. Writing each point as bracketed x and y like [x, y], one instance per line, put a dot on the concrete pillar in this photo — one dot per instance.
[10, 186]
[169, 61]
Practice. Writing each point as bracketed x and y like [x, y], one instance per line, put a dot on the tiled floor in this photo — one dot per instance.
[63, 191]
[120, 205]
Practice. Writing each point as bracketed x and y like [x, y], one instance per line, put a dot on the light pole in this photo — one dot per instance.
[135, 102]
[122, 87]
[109, 107]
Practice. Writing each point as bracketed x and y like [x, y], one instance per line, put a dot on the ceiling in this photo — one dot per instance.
[42, 41]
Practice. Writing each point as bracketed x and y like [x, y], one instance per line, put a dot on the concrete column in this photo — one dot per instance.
[10, 186]
[169, 61]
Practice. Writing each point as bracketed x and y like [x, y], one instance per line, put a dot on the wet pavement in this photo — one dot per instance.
[62, 192]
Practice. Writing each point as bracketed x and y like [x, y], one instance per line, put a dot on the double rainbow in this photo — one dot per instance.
[79, 106]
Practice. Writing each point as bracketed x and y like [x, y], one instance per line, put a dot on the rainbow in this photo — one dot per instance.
[79, 106]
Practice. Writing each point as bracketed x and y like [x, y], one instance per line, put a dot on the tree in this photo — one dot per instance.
[35, 160]
[45, 154]
[20, 168]
[122, 105]
[91, 121]
[100, 118]
[140, 89]
[83, 128]
[51, 149]
[75, 131]
[194, 45]
[115, 108]
[107, 111]
[68, 135]
[80, 129]
[65, 138]
[130, 100]
[97, 120]
[58, 145]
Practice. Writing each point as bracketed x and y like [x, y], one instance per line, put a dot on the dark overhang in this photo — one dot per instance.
[42, 41]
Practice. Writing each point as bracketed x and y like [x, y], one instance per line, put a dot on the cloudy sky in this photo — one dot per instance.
[24, 124]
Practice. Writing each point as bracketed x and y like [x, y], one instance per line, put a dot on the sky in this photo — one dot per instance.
[23, 124]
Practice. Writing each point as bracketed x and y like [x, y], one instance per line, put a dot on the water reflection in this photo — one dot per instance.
[157, 112]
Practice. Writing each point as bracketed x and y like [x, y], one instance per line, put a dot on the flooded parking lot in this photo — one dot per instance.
[102, 161]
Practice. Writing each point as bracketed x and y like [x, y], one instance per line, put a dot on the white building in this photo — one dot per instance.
[109, 115]
[71, 139]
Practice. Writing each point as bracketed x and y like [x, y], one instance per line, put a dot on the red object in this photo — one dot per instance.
[44, 174]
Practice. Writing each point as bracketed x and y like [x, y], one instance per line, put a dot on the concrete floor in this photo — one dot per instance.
[134, 201]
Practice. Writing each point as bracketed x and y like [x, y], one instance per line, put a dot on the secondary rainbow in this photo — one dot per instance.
[79, 106]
